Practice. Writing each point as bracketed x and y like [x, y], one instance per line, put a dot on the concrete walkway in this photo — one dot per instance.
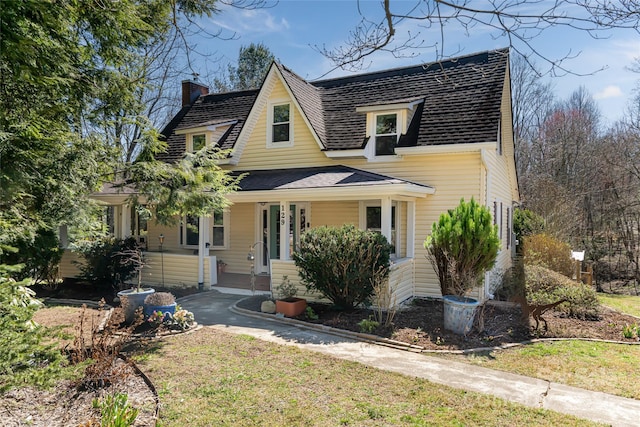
[217, 310]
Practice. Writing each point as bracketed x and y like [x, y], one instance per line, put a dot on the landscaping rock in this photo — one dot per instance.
[268, 306]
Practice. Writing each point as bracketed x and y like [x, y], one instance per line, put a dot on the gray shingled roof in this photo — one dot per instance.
[462, 98]
[317, 177]
[209, 109]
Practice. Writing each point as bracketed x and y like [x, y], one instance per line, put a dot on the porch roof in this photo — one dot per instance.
[323, 183]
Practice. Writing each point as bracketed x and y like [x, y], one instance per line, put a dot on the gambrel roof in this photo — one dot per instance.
[457, 101]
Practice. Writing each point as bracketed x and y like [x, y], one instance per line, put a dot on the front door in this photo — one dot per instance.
[274, 229]
[271, 229]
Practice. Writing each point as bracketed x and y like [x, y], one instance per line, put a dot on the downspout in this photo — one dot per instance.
[485, 164]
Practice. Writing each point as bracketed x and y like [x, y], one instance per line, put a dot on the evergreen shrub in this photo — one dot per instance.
[463, 244]
[342, 263]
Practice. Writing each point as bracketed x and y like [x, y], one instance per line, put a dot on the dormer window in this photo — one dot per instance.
[386, 134]
[198, 142]
[280, 125]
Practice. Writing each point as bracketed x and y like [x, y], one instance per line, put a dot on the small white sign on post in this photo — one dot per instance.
[577, 255]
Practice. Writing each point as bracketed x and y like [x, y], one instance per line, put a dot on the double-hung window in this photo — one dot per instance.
[373, 222]
[218, 231]
[280, 127]
[189, 231]
[386, 133]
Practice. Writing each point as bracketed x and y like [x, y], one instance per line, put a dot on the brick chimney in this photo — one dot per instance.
[191, 91]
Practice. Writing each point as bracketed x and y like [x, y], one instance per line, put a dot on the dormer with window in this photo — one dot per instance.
[280, 124]
[386, 123]
[197, 142]
[204, 134]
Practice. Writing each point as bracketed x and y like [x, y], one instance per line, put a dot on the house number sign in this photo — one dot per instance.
[282, 215]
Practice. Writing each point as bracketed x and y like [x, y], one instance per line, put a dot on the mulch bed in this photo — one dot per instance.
[421, 323]
[77, 289]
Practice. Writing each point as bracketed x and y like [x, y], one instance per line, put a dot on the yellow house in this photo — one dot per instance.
[388, 150]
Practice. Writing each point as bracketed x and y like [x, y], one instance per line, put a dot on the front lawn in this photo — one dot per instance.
[623, 303]
[211, 377]
[598, 366]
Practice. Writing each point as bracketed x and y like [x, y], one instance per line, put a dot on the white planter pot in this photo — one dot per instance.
[459, 313]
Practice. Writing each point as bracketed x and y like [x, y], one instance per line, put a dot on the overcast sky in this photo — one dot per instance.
[292, 28]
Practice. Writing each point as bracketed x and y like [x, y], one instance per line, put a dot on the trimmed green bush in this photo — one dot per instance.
[463, 244]
[546, 286]
[547, 251]
[342, 263]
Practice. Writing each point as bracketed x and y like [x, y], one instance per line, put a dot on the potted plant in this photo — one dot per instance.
[463, 245]
[161, 302]
[132, 299]
[287, 303]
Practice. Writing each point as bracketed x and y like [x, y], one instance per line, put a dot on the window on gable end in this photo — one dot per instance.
[280, 127]
[386, 133]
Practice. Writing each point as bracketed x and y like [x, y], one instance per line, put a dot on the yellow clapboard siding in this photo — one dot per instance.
[180, 271]
[279, 269]
[334, 213]
[304, 152]
[242, 219]
[68, 267]
[401, 280]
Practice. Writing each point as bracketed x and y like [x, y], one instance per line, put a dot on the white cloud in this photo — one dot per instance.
[247, 22]
[610, 91]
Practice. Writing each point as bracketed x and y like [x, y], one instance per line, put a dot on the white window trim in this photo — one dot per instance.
[271, 105]
[378, 204]
[401, 128]
[226, 218]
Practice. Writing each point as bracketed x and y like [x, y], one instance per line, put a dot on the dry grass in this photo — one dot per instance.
[213, 378]
[605, 367]
[66, 319]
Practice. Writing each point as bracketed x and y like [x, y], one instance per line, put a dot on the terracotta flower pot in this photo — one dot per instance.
[291, 307]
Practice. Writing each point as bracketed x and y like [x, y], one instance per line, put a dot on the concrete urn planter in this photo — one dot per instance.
[459, 313]
[131, 299]
[291, 307]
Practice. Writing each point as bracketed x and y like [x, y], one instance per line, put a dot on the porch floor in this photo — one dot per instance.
[243, 281]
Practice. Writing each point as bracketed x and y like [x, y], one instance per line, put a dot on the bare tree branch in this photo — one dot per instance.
[521, 22]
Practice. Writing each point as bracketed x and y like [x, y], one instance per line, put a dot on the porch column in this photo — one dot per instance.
[411, 229]
[125, 221]
[385, 207]
[285, 249]
[203, 237]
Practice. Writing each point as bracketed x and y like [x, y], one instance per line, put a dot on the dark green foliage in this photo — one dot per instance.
[547, 251]
[23, 359]
[40, 257]
[463, 244]
[342, 263]
[72, 75]
[545, 286]
[253, 64]
[107, 261]
[526, 222]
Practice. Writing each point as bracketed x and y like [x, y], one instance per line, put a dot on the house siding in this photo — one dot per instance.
[334, 214]
[453, 176]
[305, 151]
[68, 266]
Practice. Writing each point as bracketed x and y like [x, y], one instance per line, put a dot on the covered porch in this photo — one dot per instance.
[250, 246]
